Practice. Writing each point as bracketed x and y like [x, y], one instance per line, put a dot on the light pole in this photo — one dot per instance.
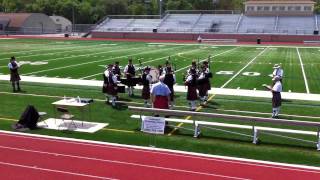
[73, 19]
[160, 8]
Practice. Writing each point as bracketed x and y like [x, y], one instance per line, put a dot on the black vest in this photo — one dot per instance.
[168, 80]
[145, 82]
[131, 70]
[14, 66]
[116, 70]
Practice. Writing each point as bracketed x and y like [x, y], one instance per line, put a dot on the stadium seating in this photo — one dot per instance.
[296, 25]
[253, 24]
[215, 23]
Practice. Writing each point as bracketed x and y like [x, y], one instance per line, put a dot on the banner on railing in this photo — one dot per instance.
[153, 125]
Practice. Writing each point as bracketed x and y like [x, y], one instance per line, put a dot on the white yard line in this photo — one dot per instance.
[225, 84]
[184, 52]
[91, 62]
[206, 58]
[71, 49]
[303, 72]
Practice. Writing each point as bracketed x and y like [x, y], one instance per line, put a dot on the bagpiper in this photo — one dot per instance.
[146, 82]
[170, 80]
[192, 95]
[110, 85]
[116, 70]
[14, 74]
[204, 84]
[130, 72]
[276, 90]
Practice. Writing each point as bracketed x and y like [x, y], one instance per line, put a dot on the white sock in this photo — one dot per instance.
[277, 111]
[113, 100]
[274, 112]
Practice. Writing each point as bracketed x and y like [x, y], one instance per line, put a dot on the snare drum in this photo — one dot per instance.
[121, 88]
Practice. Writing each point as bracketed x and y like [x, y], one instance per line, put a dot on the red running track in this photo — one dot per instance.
[37, 157]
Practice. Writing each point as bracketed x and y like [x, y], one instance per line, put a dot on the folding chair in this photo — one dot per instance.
[65, 115]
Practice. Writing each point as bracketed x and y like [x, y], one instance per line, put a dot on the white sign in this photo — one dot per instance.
[153, 125]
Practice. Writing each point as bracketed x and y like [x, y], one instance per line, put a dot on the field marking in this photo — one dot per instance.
[111, 162]
[303, 72]
[71, 49]
[53, 170]
[157, 59]
[189, 117]
[248, 64]
[211, 57]
[153, 150]
[91, 62]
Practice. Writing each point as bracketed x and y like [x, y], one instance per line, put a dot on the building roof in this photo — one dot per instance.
[280, 2]
[16, 19]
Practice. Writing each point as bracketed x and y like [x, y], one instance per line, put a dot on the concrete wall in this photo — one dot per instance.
[182, 36]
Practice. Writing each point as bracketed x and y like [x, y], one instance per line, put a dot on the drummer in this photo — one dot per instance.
[110, 85]
[170, 80]
[130, 72]
[146, 82]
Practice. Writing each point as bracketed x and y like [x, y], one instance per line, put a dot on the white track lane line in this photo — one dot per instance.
[225, 84]
[257, 163]
[53, 170]
[206, 58]
[120, 162]
[303, 72]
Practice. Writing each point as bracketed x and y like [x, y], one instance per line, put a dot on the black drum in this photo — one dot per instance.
[209, 75]
[121, 88]
[132, 81]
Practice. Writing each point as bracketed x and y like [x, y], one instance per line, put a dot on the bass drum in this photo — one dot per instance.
[155, 75]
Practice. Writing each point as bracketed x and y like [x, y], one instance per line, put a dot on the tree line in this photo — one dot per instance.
[91, 11]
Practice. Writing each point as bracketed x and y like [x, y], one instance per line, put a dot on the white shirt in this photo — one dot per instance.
[10, 65]
[277, 87]
[114, 77]
[278, 72]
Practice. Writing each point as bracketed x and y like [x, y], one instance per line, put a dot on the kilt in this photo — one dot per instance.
[276, 99]
[14, 76]
[192, 93]
[161, 102]
[130, 81]
[203, 89]
[145, 92]
[110, 89]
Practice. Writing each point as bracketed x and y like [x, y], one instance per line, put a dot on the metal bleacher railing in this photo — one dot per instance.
[252, 121]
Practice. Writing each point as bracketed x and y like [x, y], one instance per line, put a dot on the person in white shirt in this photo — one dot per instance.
[276, 96]
[130, 72]
[278, 71]
[146, 82]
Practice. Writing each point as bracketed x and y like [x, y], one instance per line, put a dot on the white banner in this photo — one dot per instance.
[153, 125]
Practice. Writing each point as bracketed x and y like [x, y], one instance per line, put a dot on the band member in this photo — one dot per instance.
[14, 74]
[146, 81]
[116, 70]
[161, 71]
[193, 67]
[160, 95]
[276, 96]
[110, 85]
[192, 95]
[170, 80]
[278, 71]
[203, 84]
[130, 72]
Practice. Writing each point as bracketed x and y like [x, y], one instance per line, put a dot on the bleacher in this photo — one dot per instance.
[253, 24]
[215, 23]
[296, 24]
[179, 23]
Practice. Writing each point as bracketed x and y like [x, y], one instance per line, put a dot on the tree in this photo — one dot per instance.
[178, 5]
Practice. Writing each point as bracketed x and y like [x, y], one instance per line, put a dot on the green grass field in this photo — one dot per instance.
[86, 60]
